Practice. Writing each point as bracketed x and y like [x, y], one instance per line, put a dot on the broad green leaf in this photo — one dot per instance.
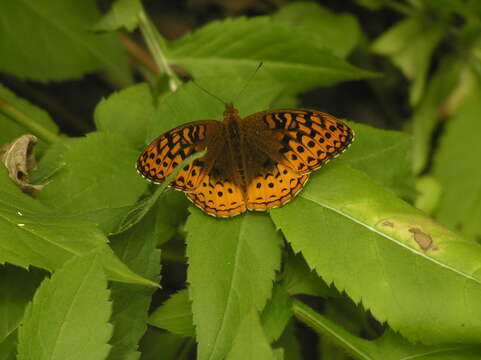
[170, 214]
[123, 13]
[17, 287]
[410, 44]
[98, 181]
[339, 33]
[232, 263]
[277, 313]
[455, 167]
[235, 47]
[68, 317]
[387, 254]
[429, 112]
[383, 155]
[390, 346]
[8, 347]
[299, 279]
[175, 315]
[31, 234]
[11, 129]
[250, 342]
[137, 249]
[172, 347]
[129, 112]
[50, 40]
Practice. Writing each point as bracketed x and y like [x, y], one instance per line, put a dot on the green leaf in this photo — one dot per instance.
[30, 234]
[390, 346]
[123, 13]
[383, 155]
[339, 33]
[175, 315]
[235, 47]
[388, 255]
[137, 249]
[410, 44]
[68, 318]
[98, 181]
[250, 342]
[10, 129]
[428, 113]
[8, 347]
[17, 287]
[129, 112]
[455, 167]
[429, 192]
[232, 263]
[172, 347]
[290, 343]
[50, 40]
[277, 313]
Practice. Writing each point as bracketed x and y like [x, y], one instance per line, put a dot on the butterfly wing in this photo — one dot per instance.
[166, 152]
[300, 140]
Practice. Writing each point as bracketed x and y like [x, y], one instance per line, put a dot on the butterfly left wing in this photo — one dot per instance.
[301, 140]
[166, 152]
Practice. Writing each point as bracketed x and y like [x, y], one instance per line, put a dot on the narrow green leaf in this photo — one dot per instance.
[68, 318]
[250, 342]
[98, 181]
[340, 33]
[30, 234]
[17, 287]
[137, 249]
[277, 313]
[455, 167]
[410, 44]
[123, 13]
[26, 53]
[235, 47]
[232, 263]
[175, 315]
[388, 254]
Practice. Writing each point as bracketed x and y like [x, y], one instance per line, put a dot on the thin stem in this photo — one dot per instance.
[138, 53]
[27, 122]
[324, 326]
[153, 40]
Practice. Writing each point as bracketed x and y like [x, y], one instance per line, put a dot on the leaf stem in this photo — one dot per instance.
[154, 42]
[27, 122]
[326, 327]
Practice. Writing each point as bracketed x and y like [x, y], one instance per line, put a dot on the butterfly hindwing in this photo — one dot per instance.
[167, 151]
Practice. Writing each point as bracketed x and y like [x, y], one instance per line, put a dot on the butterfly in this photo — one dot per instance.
[258, 162]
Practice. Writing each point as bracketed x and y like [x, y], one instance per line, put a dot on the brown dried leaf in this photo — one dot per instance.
[19, 158]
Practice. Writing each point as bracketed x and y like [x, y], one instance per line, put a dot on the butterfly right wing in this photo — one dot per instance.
[161, 157]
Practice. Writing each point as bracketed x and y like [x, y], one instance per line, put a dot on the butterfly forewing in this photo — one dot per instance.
[167, 151]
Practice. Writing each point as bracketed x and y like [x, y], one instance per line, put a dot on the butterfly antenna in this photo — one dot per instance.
[208, 92]
[250, 79]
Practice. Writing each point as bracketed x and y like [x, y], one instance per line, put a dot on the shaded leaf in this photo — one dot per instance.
[123, 13]
[68, 317]
[277, 313]
[172, 347]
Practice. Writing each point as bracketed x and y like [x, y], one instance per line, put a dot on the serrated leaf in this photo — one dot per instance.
[12, 130]
[123, 13]
[66, 24]
[231, 268]
[17, 287]
[277, 313]
[410, 44]
[235, 47]
[388, 255]
[390, 346]
[68, 317]
[98, 181]
[129, 112]
[250, 342]
[30, 234]
[339, 33]
[175, 315]
[455, 167]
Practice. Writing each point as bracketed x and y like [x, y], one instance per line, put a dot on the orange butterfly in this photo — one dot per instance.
[254, 163]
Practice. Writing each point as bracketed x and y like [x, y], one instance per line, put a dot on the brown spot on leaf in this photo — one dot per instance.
[424, 240]
[388, 223]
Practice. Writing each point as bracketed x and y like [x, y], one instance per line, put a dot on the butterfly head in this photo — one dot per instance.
[230, 111]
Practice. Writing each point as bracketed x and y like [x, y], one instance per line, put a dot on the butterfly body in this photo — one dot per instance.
[254, 163]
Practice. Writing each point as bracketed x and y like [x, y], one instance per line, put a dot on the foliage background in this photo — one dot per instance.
[377, 258]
